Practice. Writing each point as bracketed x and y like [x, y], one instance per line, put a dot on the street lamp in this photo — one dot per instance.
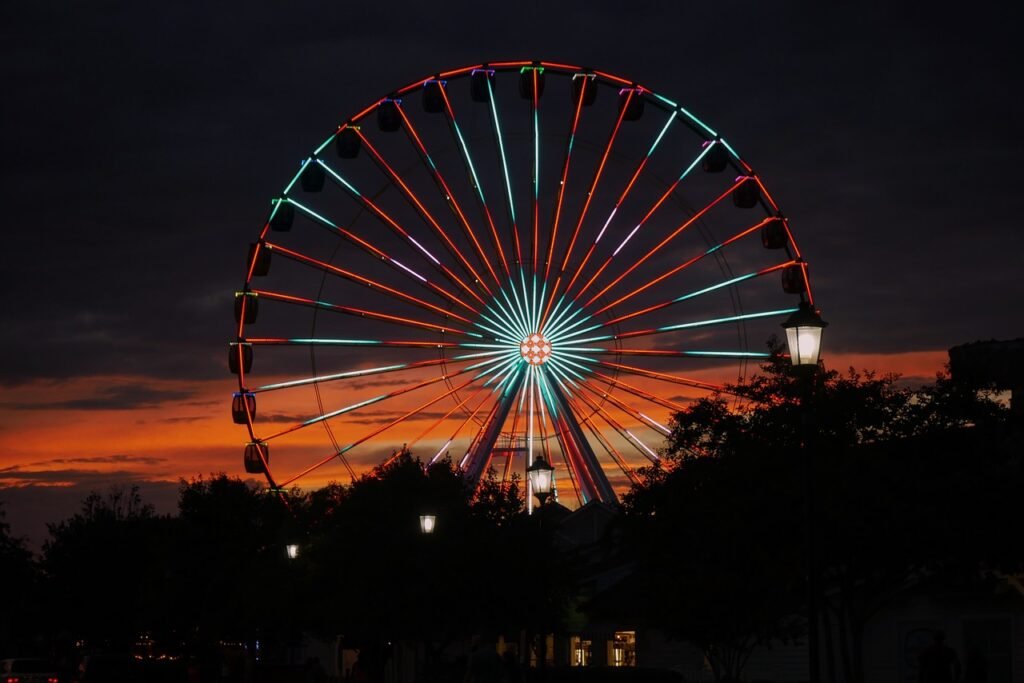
[803, 336]
[427, 523]
[291, 551]
[541, 476]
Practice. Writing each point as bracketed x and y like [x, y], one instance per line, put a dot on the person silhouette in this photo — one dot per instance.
[938, 662]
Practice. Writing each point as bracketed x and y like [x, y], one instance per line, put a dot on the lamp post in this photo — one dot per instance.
[541, 476]
[803, 337]
[427, 523]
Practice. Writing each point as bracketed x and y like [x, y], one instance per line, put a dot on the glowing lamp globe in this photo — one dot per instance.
[803, 335]
[291, 551]
[427, 523]
[541, 476]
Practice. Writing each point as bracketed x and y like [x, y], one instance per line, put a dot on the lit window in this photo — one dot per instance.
[579, 650]
[622, 649]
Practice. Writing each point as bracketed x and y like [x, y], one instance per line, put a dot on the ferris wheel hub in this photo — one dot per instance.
[535, 349]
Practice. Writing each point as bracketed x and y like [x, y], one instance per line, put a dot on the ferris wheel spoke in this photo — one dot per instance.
[622, 196]
[594, 482]
[594, 182]
[423, 211]
[363, 280]
[369, 372]
[669, 328]
[322, 341]
[561, 434]
[475, 461]
[665, 353]
[593, 474]
[392, 394]
[575, 360]
[617, 382]
[377, 432]
[613, 453]
[392, 224]
[636, 442]
[453, 127]
[563, 182]
[534, 102]
[644, 450]
[357, 312]
[499, 138]
[555, 290]
[643, 259]
[685, 264]
[608, 395]
[650, 212]
[697, 293]
[375, 252]
[439, 421]
[450, 199]
[470, 417]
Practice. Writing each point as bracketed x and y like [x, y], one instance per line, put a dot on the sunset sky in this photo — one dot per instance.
[145, 142]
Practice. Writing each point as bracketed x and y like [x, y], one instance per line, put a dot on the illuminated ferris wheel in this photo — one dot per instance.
[501, 262]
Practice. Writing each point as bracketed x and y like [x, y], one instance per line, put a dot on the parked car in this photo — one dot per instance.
[27, 670]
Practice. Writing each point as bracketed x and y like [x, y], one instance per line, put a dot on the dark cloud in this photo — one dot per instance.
[104, 459]
[113, 397]
[150, 137]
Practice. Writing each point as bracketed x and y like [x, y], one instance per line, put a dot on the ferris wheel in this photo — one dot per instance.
[501, 262]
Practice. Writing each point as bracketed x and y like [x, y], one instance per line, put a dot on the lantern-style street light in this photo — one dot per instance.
[427, 523]
[291, 551]
[541, 476]
[803, 335]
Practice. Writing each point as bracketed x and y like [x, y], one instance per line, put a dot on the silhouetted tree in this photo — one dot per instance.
[232, 576]
[18, 589]
[106, 568]
[890, 468]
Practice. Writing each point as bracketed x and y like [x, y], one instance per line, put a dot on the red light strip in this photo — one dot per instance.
[358, 312]
[423, 211]
[302, 258]
[614, 424]
[565, 177]
[472, 415]
[447, 415]
[685, 381]
[593, 186]
[390, 395]
[450, 197]
[285, 341]
[697, 216]
[650, 212]
[536, 173]
[676, 269]
[666, 304]
[391, 223]
[381, 371]
[636, 391]
[377, 432]
[612, 452]
[452, 127]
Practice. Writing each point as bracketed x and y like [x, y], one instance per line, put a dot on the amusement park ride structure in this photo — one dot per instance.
[503, 260]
